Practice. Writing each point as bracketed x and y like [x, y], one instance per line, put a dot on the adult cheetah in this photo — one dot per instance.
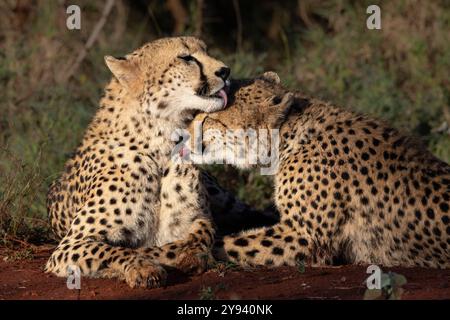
[122, 208]
[348, 188]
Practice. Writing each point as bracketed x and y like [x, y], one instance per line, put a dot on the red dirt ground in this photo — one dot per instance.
[24, 279]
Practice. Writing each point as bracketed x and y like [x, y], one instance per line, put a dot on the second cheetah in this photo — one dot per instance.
[348, 188]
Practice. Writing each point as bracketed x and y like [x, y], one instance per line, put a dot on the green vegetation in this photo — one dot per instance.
[301, 266]
[399, 73]
[207, 293]
[221, 268]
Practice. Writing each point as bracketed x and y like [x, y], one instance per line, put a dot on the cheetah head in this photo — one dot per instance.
[172, 77]
[242, 132]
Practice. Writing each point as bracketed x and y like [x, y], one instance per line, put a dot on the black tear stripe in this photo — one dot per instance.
[204, 86]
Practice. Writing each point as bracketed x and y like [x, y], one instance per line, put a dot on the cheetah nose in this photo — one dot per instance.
[223, 73]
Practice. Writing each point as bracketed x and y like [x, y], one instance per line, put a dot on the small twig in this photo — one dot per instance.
[237, 12]
[120, 20]
[94, 35]
[302, 12]
[154, 21]
[179, 14]
[199, 19]
[23, 243]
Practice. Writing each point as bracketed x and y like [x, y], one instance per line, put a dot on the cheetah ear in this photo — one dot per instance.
[124, 70]
[279, 112]
[271, 76]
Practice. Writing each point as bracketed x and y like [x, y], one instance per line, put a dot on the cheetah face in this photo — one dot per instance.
[241, 133]
[173, 77]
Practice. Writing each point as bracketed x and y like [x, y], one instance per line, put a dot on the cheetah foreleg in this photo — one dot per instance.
[94, 258]
[269, 246]
[192, 255]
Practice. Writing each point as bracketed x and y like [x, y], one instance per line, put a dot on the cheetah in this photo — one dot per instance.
[122, 208]
[348, 188]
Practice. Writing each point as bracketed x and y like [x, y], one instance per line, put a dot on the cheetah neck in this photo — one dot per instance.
[123, 127]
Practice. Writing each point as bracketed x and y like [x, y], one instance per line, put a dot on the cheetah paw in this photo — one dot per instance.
[194, 260]
[145, 274]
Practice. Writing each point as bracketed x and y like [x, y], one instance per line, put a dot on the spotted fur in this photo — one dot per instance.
[349, 188]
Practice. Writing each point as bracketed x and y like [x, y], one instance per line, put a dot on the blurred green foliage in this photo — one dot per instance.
[323, 48]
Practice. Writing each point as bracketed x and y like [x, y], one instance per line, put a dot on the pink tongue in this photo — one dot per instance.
[223, 95]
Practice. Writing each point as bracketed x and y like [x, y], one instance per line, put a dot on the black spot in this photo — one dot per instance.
[288, 222]
[359, 144]
[364, 171]
[303, 242]
[430, 213]
[252, 253]
[278, 251]
[376, 142]
[418, 214]
[89, 263]
[241, 242]
[436, 231]
[162, 105]
[337, 195]
[445, 219]
[266, 243]
[269, 232]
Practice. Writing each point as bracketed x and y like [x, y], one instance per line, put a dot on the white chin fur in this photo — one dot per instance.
[191, 101]
[215, 104]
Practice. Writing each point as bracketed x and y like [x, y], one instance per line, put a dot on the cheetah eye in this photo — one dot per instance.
[186, 58]
[276, 100]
